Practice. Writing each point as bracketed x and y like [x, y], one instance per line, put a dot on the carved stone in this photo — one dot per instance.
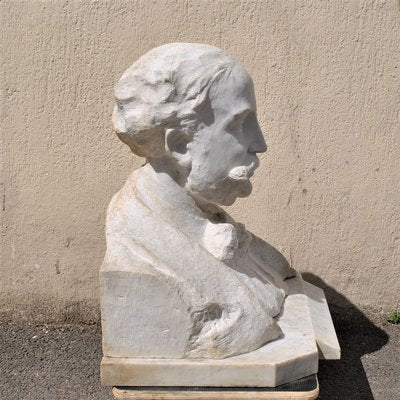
[181, 279]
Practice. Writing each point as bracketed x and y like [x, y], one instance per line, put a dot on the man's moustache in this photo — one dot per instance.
[243, 172]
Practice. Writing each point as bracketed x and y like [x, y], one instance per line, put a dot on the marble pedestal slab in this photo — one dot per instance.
[308, 334]
[302, 389]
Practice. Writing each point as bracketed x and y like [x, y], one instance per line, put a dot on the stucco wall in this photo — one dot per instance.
[327, 193]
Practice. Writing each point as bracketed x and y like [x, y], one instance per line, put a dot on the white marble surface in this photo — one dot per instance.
[324, 331]
[305, 327]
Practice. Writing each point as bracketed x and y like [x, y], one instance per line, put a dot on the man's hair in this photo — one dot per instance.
[166, 87]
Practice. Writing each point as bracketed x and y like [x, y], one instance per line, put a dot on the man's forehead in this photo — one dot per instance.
[235, 92]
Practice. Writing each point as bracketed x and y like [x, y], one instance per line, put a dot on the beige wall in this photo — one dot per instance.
[327, 192]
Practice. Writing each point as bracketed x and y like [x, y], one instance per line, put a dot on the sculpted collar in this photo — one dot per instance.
[216, 232]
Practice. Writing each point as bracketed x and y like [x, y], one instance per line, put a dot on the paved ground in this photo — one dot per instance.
[62, 362]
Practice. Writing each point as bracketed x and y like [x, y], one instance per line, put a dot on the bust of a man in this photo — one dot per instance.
[180, 278]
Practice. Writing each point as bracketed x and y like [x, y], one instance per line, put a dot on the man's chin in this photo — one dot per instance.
[228, 201]
[244, 189]
[247, 188]
[226, 194]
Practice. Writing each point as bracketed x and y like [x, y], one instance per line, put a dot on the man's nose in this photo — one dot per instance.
[257, 142]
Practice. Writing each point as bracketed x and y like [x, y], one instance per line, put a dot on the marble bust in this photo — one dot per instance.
[192, 283]
[189, 297]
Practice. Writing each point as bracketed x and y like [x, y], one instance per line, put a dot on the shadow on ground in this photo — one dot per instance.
[346, 379]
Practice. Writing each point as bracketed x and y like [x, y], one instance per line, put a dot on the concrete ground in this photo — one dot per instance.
[62, 362]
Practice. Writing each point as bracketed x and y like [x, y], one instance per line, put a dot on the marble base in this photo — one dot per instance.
[308, 334]
[302, 389]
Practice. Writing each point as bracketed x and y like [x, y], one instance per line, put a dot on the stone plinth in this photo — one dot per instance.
[308, 334]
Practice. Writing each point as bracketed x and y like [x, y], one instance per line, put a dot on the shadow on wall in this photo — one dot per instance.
[346, 378]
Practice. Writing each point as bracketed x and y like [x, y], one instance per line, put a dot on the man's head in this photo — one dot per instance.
[193, 105]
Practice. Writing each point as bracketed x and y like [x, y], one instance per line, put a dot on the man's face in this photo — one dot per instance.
[223, 152]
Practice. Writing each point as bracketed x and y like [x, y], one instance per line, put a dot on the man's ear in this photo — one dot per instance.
[176, 144]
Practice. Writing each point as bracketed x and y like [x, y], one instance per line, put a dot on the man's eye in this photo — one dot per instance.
[238, 120]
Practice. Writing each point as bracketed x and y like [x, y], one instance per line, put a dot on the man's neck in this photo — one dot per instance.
[170, 167]
[170, 173]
